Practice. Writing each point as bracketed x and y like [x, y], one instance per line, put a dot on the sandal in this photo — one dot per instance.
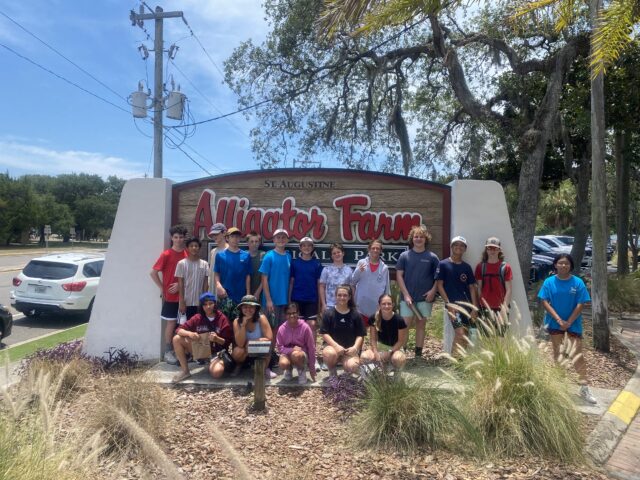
[180, 376]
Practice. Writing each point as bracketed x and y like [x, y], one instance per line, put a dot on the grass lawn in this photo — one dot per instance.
[21, 351]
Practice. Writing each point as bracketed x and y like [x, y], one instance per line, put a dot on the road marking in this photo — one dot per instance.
[625, 406]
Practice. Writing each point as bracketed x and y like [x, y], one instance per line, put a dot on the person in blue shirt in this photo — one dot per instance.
[304, 285]
[563, 296]
[232, 270]
[276, 272]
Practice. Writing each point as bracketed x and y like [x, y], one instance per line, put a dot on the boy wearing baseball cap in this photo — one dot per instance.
[456, 283]
[217, 233]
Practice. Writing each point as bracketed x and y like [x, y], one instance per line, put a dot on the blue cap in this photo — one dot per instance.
[207, 296]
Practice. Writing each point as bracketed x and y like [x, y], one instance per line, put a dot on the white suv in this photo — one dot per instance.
[63, 283]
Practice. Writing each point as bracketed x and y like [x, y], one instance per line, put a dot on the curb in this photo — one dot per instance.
[614, 423]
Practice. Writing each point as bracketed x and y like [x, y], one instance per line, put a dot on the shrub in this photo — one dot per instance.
[124, 404]
[519, 402]
[624, 293]
[69, 379]
[402, 415]
[344, 391]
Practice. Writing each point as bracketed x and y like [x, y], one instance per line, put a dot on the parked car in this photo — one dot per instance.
[6, 322]
[555, 244]
[64, 283]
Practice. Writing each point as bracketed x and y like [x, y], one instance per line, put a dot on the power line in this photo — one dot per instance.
[203, 49]
[62, 55]
[240, 110]
[33, 62]
[207, 99]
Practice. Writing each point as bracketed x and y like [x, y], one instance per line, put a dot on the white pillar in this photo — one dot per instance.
[126, 310]
[479, 211]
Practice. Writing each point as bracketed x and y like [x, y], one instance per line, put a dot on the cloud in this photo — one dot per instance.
[21, 158]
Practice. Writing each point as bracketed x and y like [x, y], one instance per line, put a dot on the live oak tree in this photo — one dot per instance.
[419, 65]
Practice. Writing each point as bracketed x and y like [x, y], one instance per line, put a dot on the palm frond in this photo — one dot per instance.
[613, 33]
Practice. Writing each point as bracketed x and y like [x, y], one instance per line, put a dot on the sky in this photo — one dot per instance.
[48, 126]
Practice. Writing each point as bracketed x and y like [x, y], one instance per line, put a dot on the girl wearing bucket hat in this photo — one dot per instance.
[250, 324]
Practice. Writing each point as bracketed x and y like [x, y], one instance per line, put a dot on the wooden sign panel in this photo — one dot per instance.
[328, 205]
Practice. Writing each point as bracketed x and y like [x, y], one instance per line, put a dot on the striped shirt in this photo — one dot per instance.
[193, 274]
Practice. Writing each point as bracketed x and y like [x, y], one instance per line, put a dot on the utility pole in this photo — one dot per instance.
[138, 19]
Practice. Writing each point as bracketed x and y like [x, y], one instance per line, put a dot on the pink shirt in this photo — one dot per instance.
[298, 336]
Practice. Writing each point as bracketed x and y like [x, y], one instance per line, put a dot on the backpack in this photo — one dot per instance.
[502, 270]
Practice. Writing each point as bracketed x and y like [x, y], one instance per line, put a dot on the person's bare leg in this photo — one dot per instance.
[181, 347]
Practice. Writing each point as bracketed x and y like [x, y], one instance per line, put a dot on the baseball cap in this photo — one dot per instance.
[233, 230]
[206, 297]
[306, 240]
[460, 239]
[493, 242]
[217, 228]
[279, 231]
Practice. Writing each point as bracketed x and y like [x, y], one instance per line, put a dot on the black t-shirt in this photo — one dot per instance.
[388, 333]
[342, 327]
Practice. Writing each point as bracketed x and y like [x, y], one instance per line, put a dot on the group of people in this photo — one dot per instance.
[239, 296]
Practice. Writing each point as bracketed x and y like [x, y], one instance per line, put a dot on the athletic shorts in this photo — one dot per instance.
[169, 311]
[553, 331]
[308, 310]
[423, 307]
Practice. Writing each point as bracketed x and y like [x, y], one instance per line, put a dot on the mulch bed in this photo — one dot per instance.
[301, 436]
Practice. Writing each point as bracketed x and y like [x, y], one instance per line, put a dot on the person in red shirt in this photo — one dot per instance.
[208, 320]
[494, 276]
[168, 285]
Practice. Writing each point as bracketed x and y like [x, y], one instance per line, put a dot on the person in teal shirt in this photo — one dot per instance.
[563, 296]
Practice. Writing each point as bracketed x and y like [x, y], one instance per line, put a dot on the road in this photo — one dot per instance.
[27, 328]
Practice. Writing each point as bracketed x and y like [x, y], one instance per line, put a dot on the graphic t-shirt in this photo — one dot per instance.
[419, 270]
[564, 296]
[456, 279]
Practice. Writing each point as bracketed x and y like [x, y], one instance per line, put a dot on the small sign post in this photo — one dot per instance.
[261, 351]
[47, 232]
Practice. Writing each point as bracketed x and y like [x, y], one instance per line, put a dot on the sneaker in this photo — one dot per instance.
[324, 367]
[288, 375]
[302, 377]
[585, 393]
[170, 357]
[318, 366]
[180, 376]
[269, 374]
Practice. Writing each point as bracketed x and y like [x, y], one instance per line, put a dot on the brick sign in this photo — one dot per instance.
[328, 205]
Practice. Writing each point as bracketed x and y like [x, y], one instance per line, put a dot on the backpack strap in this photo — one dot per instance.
[503, 269]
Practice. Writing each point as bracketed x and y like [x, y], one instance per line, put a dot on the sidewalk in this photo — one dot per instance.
[624, 462]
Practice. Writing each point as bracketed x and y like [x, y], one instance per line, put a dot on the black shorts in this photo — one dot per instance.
[169, 311]
[460, 321]
[308, 310]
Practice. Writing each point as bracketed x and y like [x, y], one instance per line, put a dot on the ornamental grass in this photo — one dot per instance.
[35, 441]
[401, 415]
[518, 401]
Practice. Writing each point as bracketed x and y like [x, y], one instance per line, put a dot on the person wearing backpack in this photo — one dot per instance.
[493, 276]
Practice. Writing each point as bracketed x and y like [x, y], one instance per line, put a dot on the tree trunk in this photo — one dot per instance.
[599, 202]
[622, 201]
[581, 220]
